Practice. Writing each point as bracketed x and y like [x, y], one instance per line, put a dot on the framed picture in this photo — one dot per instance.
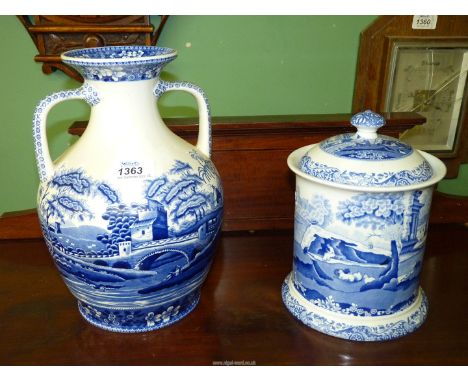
[430, 78]
[406, 67]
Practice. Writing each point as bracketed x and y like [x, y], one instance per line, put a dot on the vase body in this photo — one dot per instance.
[131, 212]
[359, 236]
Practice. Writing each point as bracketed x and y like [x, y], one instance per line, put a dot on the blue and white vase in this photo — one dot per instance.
[130, 212]
[361, 219]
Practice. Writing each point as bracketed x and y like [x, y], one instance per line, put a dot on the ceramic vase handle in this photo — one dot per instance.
[204, 124]
[44, 161]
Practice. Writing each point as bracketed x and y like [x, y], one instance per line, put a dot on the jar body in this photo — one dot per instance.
[361, 219]
[357, 260]
[131, 213]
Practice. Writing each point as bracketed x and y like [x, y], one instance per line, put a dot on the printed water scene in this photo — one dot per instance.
[134, 255]
[381, 148]
[361, 256]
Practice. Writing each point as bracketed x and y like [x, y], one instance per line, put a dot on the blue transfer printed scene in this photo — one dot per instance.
[382, 148]
[148, 259]
[369, 265]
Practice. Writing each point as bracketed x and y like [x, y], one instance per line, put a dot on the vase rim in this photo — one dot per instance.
[121, 55]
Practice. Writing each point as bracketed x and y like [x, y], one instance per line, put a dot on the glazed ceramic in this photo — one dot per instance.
[130, 212]
[361, 219]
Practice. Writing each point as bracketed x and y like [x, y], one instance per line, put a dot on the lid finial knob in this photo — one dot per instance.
[367, 123]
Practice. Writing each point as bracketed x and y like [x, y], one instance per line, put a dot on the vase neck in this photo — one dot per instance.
[124, 107]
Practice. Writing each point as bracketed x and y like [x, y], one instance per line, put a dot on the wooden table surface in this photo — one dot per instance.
[240, 318]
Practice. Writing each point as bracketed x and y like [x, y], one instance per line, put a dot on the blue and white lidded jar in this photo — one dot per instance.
[361, 219]
[130, 212]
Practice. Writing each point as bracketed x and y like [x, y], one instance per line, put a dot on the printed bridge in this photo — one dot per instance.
[141, 256]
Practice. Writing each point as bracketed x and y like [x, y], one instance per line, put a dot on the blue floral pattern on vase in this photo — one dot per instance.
[139, 266]
[139, 320]
[421, 173]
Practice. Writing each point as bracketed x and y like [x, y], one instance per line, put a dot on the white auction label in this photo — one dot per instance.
[131, 170]
[424, 22]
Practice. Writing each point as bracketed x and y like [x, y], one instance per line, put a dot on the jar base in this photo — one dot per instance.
[354, 328]
[141, 319]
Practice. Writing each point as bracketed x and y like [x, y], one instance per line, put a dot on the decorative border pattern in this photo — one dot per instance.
[420, 174]
[119, 64]
[351, 146]
[141, 320]
[355, 311]
[85, 92]
[164, 86]
[347, 331]
[129, 55]
[111, 73]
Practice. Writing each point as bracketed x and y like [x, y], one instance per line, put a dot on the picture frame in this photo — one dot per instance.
[376, 86]
[429, 77]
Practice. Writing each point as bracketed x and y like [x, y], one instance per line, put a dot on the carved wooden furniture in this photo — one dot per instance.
[250, 154]
[374, 69]
[55, 34]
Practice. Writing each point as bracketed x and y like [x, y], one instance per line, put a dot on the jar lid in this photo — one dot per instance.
[365, 158]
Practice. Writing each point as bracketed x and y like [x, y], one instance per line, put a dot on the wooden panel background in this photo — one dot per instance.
[250, 154]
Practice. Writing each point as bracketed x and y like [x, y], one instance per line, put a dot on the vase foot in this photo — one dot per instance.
[142, 319]
[354, 328]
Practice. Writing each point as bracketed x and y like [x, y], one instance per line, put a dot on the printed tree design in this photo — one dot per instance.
[183, 192]
[109, 194]
[120, 218]
[181, 168]
[316, 211]
[374, 210]
[206, 170]
[192, 206]
[62, 197]
[65, 196]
